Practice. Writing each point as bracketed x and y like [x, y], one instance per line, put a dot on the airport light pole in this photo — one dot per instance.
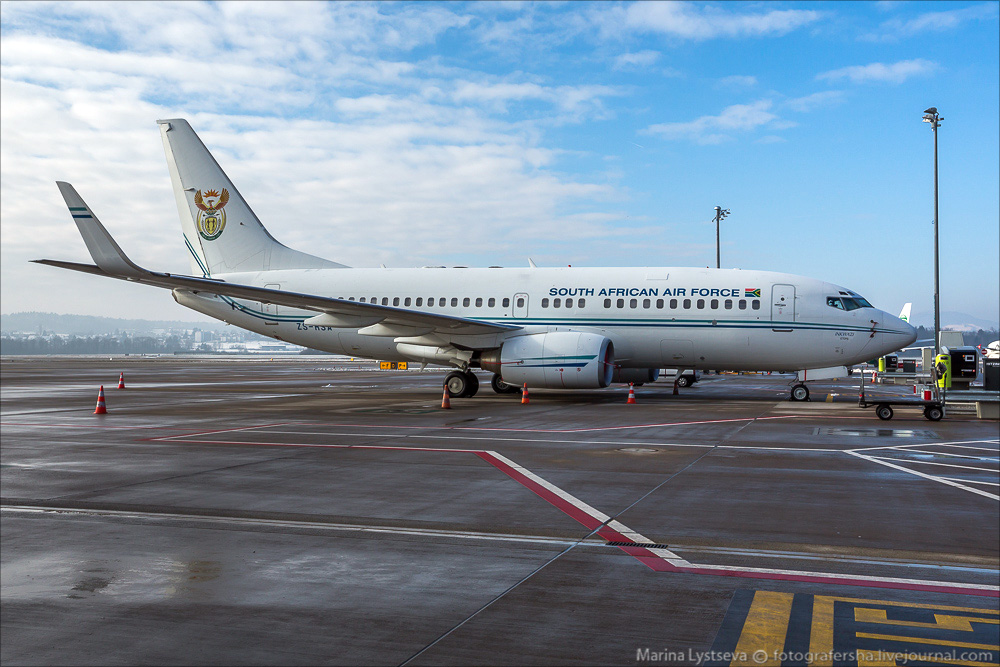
[931, 116]
[720, 214]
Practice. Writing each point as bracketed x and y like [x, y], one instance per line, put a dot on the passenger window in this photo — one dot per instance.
[420, 301]
[406, 301]
[687, 303]
[395, 300]
[729, 304]
[701, 303]
[621, 303]
[385, 301]
[454, 302]
[506, 302]
[607, 303]
[715, 304]
[834, 302]
[646, 303]
[492, 302]
[659, 303]
[466, 302]
[743, 304]
[556, 302]
[362, 299]
[350, 298]
[673, 303]
[520, 302]
[479, 302]
[374, 299]
[632, 303]
[545, 303]
[569, 303]
[755, 304]
[581, 303]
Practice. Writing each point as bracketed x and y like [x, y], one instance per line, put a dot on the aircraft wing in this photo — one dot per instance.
[379, 320]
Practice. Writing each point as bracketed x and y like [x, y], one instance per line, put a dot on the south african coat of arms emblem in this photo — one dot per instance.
[211, 217]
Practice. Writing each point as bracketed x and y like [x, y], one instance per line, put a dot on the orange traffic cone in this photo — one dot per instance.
[445, 400]
[631, 393]
[121, 381]
[524, 394]
[101, 408]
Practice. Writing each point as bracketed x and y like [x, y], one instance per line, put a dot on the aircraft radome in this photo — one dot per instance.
[543, 327]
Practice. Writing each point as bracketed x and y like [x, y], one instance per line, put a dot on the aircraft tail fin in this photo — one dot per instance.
[905, 313]
[222, 233]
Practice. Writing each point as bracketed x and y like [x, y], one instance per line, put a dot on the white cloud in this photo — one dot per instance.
[896, 28]
[815, 101]
[638, 59]
[701, 21]
[877, 72]
[341, 150]
[737, 81]
[718, 129]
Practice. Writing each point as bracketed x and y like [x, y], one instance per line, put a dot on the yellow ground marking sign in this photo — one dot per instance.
[392, 365]
[769, 628]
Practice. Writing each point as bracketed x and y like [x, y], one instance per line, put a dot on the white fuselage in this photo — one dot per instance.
[656, 317]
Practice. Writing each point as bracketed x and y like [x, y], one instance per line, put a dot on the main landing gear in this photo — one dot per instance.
[501, 387]
[461, 384]
[800, 392]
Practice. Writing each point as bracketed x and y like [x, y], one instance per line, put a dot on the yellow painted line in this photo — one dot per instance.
[921, 640]
[944, 621]
[821, 634]
[765, 627]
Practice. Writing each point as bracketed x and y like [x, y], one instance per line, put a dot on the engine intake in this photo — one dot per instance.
[557, 360]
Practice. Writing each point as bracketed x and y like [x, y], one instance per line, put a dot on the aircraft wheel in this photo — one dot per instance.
[683, 381]
[933, 413]
[800, 392]
[457, 384]
[501, 387]
[473, 385]
[884, 412]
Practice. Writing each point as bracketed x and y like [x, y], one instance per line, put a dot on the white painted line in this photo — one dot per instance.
[932, 463]
[954, 456]
[954, 443]
[925, 476]
[855, 577]
[971, 481]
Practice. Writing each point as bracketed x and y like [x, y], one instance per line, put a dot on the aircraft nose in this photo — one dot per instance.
[898, 333]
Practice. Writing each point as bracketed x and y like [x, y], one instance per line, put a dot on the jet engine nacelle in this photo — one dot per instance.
[558, 360]
[635, 375]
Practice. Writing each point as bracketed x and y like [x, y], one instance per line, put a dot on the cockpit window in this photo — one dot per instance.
[834, 302]
[862, 302]
[850, 304]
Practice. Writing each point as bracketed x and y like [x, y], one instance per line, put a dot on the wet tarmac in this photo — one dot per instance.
[294, 512]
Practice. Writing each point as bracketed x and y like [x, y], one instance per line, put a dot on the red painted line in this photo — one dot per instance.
[163, 428]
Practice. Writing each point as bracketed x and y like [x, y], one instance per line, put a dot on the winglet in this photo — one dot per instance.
[106, 253]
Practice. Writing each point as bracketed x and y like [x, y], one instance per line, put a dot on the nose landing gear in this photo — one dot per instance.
[800, 392]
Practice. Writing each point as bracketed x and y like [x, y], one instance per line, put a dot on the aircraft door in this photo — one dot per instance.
[782, 305]
[270, 309]
[520, 305]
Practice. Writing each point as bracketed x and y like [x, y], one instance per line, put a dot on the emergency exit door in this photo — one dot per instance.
[782, 306]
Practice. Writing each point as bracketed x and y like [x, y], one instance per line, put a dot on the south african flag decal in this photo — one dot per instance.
[751, 292]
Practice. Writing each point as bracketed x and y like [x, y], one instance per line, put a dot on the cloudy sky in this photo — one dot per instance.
[598, 134]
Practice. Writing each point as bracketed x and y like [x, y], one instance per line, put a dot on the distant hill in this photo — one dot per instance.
[90, 325]
[954, 321]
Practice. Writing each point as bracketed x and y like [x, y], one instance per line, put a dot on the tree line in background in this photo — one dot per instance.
[93, 345]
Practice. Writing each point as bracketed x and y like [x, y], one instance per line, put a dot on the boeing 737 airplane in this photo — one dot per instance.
[540, 327]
